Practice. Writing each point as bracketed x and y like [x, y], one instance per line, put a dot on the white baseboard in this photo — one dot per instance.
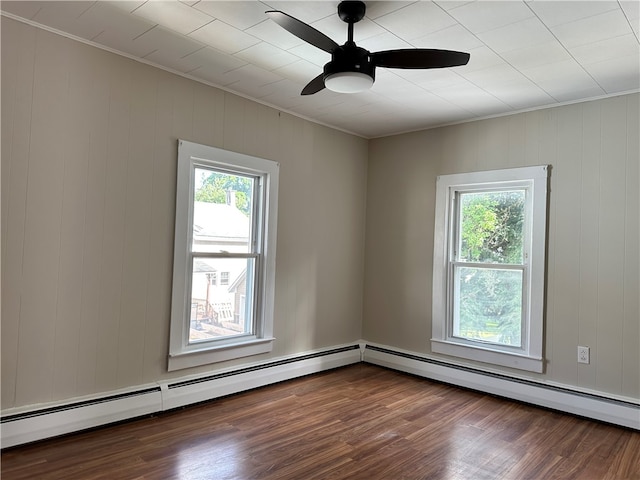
[29, 424]
[619, 411]
[39, 422]
[192, 390]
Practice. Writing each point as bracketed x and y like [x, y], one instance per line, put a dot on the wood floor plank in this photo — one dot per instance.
[358, 422]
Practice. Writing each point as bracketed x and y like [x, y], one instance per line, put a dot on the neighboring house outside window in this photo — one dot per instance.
[226, 207]
[489, 261]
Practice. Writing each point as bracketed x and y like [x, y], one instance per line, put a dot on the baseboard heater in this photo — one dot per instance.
[37, 423]
[29, 424]
[623, 412]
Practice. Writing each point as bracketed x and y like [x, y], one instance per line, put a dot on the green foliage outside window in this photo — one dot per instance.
[215, 187]
[492, 224]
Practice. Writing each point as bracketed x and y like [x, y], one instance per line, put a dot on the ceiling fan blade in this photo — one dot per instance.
[314, 86]
[303, 31]
[419, 58]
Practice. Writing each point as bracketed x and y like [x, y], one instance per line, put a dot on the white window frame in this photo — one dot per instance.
[534, 180]
[181, 353]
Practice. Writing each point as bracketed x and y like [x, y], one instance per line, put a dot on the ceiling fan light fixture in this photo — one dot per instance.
[348, 82]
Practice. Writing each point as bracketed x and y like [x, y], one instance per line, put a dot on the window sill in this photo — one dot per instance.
[494, 357]
[221, 353]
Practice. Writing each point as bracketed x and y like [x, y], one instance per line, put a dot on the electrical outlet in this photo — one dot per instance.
[583, 354]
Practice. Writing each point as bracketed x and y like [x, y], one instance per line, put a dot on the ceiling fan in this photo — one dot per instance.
[352, 68]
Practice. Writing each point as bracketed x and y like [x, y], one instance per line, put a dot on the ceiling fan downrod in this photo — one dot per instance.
[350, 13]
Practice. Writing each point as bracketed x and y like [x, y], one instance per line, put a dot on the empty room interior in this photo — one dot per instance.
[374, 240]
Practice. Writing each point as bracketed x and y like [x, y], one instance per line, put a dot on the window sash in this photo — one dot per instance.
[453, 305]
[258, 203]
[255, 242]
[251, 324]
[455, 225]
[455, 262]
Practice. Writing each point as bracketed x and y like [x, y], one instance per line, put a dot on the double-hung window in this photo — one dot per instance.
[224, 256]
[489, 259]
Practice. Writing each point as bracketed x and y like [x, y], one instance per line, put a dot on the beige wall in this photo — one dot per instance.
[593, 247]
[89, 148]
[89, 145]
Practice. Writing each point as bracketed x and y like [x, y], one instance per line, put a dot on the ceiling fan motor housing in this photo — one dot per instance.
[350, 58]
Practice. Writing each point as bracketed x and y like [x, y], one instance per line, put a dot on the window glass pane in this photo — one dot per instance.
[491, 227]
[220, 309]
[222, 211]
[488, 305]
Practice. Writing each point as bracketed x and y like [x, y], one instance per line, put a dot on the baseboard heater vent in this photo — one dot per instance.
[590, 405]
[39, 423]
[194, 390]
[75, 405]
[264, 366]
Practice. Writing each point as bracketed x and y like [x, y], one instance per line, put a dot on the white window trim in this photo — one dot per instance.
[181, 354]
[530, 357]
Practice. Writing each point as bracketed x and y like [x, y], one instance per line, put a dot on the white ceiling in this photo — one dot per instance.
[524, 54]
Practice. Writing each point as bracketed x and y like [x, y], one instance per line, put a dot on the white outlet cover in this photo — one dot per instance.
[583, 354]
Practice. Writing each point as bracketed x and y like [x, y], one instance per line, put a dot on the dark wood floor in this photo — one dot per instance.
[359, 422]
